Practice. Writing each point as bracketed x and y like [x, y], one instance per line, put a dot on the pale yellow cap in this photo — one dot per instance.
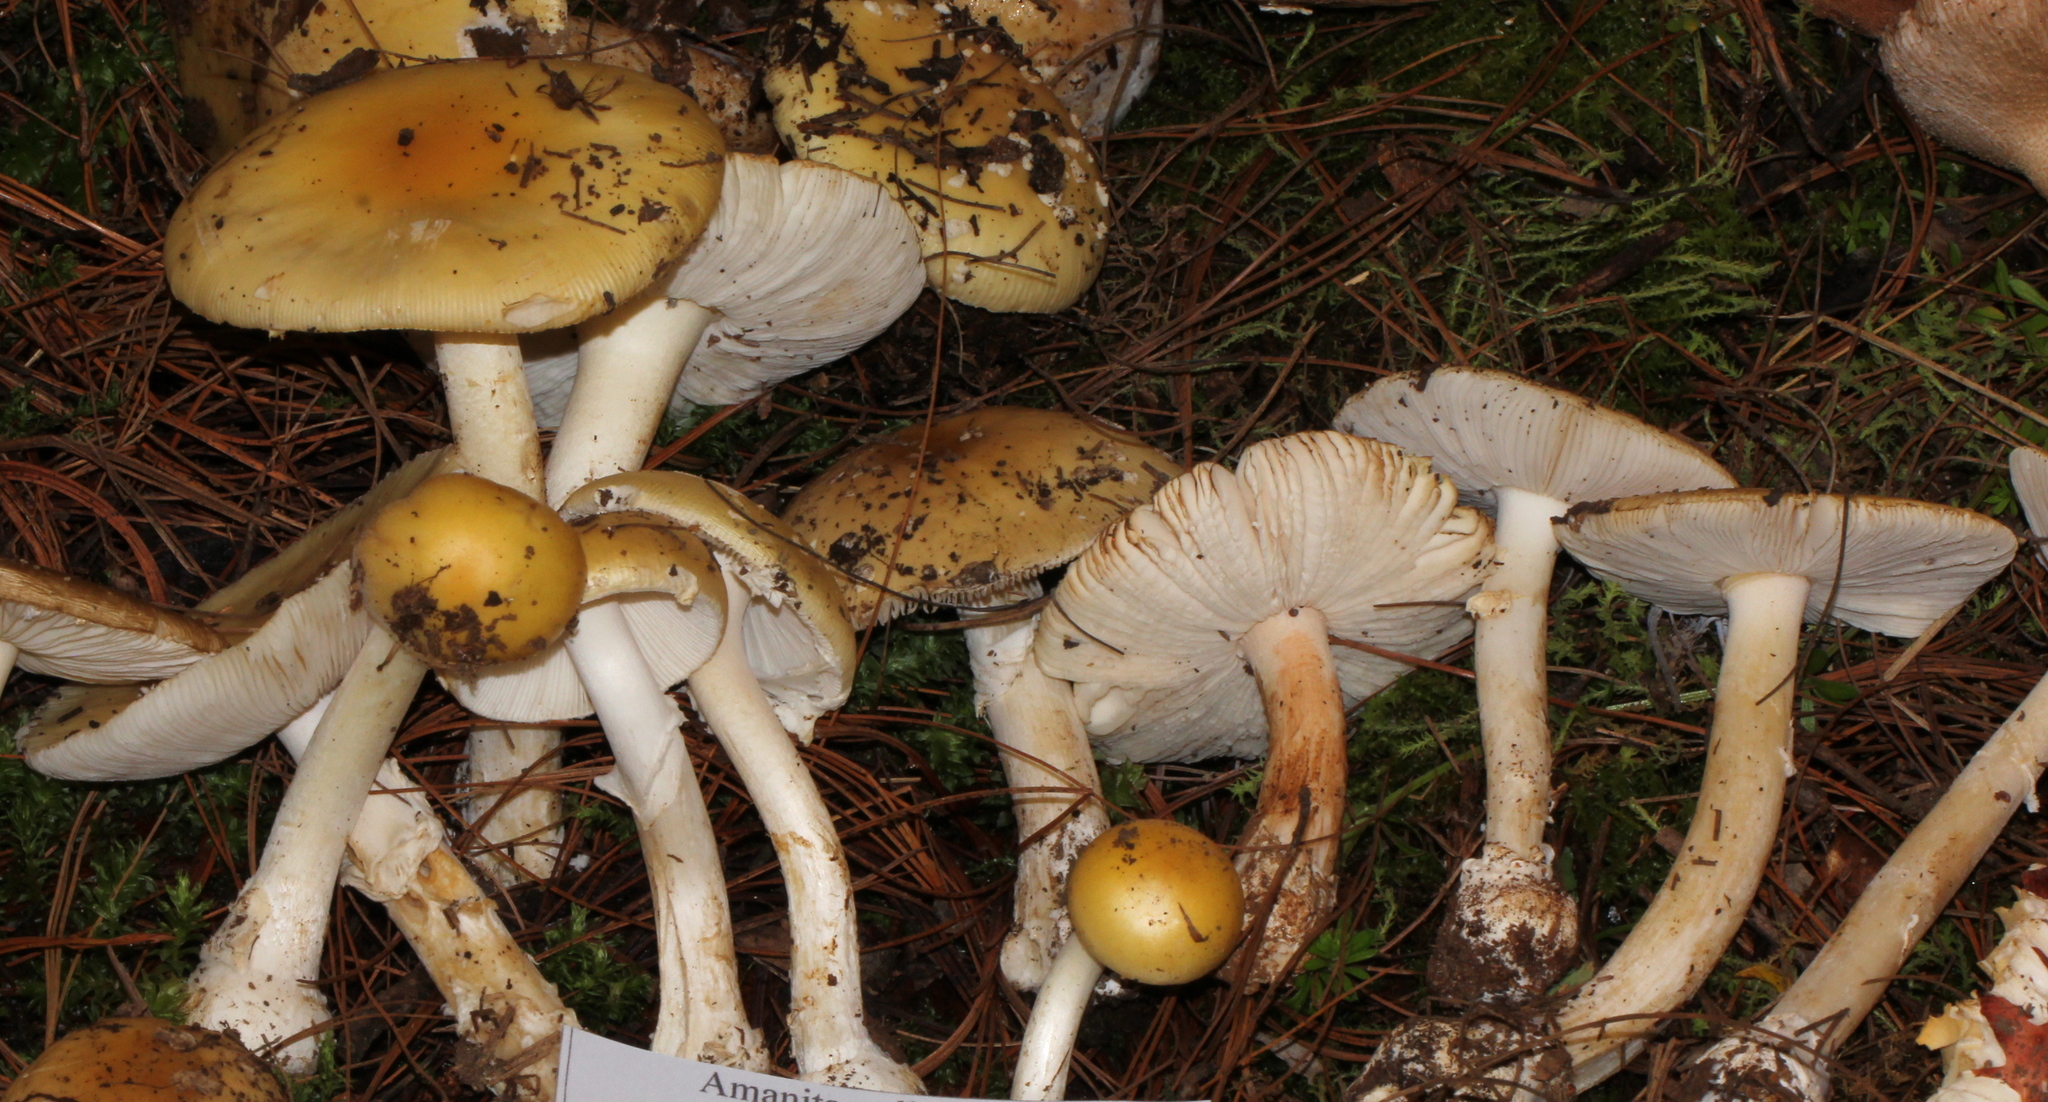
[992, 168]
[473, 196]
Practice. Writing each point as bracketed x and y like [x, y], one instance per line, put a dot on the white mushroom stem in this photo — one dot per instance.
[1048, 1048]
[8, 653]
[256, 972]
[1051, 773]
[1303, 793]
[489, 409]
[399, 856]
[520, 822]
[827, 1023]
[628, 363]
[700, 1017]
[1839, 989]
[1508, 655]
[1677, 942]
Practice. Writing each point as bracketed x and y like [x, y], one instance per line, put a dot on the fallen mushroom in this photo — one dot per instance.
[1768, 560]
[1787, 1050]
[785, 658]
[1216, 603]
[55, 625]
[1151, 900]
[970, 511]
[1528, 452]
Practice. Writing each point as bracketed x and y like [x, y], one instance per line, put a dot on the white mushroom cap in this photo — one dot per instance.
[1974, 73]
[233, 699]
[798, 642]
[2030, 485]
[1146, 622]
[1488, 429]
[801, 262]
[1904, 564]
[71, 628]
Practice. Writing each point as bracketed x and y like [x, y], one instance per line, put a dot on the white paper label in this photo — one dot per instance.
[594, 1069]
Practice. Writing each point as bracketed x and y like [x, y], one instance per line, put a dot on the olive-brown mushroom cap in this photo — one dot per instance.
[1903, 564]
[991, 166]
[1097, 55]
[1029, 488]
[146, 1060]
[475, 196]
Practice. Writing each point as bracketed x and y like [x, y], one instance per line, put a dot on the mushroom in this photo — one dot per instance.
[1218, 600]
[1525, 452]
[800, 264]
[1767, 560]
[1973, 1034]
[467, 573]
[145, 1060]
[454, 224]
[1006, 196]
[1098, 56]
[971, 510]
[1152, 900]
[59, 626]
[785, 658]
[1789, 1046]
[1970, 71]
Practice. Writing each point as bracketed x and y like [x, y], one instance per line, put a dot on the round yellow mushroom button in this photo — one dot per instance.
[1156, 901]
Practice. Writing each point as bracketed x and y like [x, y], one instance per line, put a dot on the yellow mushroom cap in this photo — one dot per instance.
[146, 1060]
[1156, 901]
[992, 168]
[967, 510]
[471, 196]
[468, 573]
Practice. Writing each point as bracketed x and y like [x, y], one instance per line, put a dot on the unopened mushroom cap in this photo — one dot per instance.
[1156, 901]
[798, 642]
[1903, 564]
[468, 573]
[984, 500]
[476, 196]
[662, 578]
[990, 165]
[1146, 622]
[71, 628]
[1097, 55]
[1489, 429]
[146, 1060]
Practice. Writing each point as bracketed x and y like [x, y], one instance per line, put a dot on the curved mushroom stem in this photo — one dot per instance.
[1510, 931]
[8, 653]
[1051, 774]
[1048, 1048]
[256, 972]
[627, 365]
[827, 1023]
[520, 823]
[1303, 794]
[701, 1016]
[398, 855]
[1677, 942]
[1837, 991]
